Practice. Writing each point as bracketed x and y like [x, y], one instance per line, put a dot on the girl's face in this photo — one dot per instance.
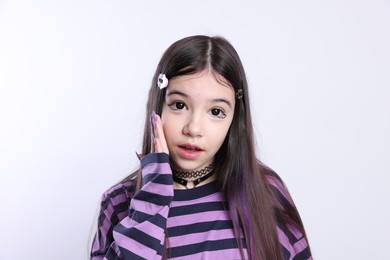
[196, 116]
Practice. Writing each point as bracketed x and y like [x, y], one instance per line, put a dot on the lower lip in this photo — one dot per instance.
[189, 154]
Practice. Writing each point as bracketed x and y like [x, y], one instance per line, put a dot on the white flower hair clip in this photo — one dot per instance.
[162, 81]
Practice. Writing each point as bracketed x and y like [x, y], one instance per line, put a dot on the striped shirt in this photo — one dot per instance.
[193, 224]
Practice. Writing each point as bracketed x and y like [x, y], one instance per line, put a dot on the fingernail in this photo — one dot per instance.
[154, 116]
[152, 120]
[153, 123]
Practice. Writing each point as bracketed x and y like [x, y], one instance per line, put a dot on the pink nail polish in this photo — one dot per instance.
[153, 123]
[154, 116]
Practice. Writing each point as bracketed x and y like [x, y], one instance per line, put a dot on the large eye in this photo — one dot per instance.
[218, 113]
[177, 105]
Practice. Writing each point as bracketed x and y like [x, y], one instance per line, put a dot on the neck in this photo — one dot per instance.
[186, 178]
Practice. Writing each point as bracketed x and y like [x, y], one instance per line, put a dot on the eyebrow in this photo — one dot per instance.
[176, 92]
[216, 100]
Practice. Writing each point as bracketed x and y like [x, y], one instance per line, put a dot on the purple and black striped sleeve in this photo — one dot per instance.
[140, 234]
[293, 241]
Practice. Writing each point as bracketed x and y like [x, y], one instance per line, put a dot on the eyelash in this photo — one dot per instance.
[174, 104]
[220, 112]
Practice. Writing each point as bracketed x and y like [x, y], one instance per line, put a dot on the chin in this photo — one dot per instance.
[187, 165]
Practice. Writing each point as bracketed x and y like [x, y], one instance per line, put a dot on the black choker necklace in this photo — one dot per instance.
[194, 174]
[196, 181]
[177, 176]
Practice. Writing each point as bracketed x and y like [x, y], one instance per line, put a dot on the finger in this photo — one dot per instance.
[152, 137]
[152, 124]
[160, 143]
[158, 148]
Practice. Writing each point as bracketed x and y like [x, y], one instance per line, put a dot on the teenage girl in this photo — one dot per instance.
[200, 192]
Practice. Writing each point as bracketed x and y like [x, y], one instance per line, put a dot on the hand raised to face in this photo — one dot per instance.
[159, 144]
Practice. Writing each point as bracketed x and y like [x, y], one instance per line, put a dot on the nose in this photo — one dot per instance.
[194, 126]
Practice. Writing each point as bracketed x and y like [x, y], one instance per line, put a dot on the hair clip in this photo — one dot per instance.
[162, 81]
[239, 94]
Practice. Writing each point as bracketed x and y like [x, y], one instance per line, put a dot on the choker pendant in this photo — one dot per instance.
[198, 175]
[196, 181]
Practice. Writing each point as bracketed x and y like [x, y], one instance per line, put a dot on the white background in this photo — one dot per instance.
[73, 82]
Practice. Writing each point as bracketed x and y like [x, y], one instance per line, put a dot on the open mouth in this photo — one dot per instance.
[190, 148]
[189, 151]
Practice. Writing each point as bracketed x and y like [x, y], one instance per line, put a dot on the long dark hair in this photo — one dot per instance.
[242, 177]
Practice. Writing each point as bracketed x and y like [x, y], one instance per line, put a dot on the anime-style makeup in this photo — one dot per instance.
[196, 116]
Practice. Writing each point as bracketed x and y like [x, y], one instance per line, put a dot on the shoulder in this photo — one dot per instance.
[290, 228]
[115, 201]
[285, 209]
[119, 193]
[277, 186]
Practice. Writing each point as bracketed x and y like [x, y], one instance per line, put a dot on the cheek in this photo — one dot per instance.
[164, 119]
[220, 134]
[165, 126]
[226, 130]
[169, 127]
